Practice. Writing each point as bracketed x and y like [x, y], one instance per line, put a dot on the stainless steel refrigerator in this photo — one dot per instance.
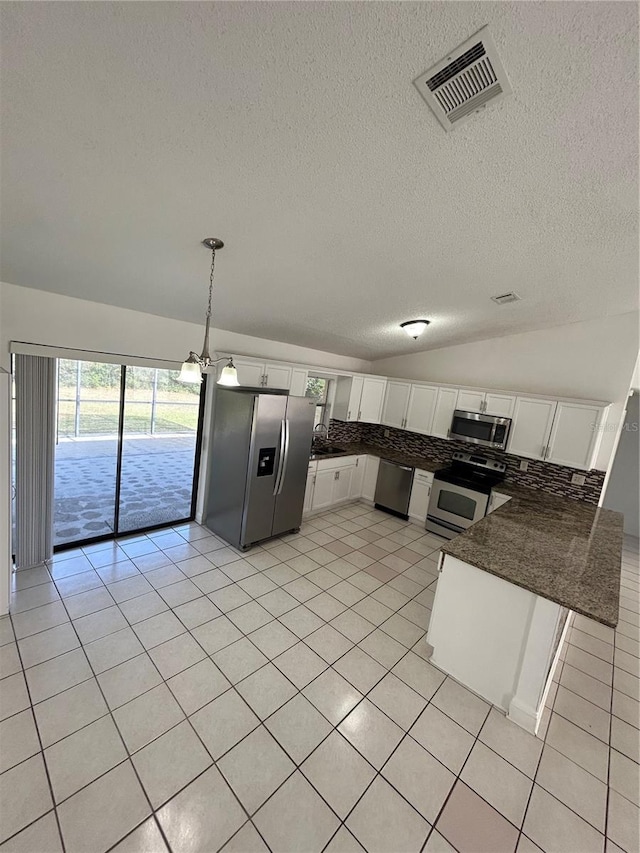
[260, 444]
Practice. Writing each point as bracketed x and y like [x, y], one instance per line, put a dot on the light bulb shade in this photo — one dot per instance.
[190, 373]
[414, 328]
[229, 375]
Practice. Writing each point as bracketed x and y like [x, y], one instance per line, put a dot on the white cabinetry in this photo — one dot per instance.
[250, 373]
[422, 404]
[446, 404]
[371, 401]
[277, 376]
[298, 386]
[490, 403]
[420, 494]
[370, 478]
[323, 489]
[308, 492]
[342, 484]
[576, 434]
[496, 500]
[500, 405]
[357, 477]
[258, 374]
[359, 398]
[396, 402]
[471, 401]
[333, 481]
[531, 427]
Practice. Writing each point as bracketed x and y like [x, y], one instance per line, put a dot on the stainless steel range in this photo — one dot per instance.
[460, 494]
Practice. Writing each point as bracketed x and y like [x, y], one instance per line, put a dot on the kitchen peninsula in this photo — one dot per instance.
[506, 589]
[508, 584]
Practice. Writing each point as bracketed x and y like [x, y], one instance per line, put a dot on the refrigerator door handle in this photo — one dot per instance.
[283, 469]
[281, 459]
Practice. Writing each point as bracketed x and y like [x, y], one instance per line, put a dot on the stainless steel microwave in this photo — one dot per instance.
[478, 428]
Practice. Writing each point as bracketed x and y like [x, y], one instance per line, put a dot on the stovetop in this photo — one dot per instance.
[473, 471]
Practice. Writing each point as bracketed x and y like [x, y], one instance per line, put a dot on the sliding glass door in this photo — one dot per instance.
[86, 456]
[158, 450]
[126, 450]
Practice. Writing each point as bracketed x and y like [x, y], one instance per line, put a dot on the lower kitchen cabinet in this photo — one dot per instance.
[332, 482]
[308, 492]
[323, 487]
[420, 494]
[342, 484]
[370, 478]
[344, 478]
[357, 477]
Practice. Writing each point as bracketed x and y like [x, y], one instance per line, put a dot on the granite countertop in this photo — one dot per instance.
[360, 448]
[566, 551]
[561, 549]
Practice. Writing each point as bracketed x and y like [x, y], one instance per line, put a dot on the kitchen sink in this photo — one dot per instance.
[326, 450]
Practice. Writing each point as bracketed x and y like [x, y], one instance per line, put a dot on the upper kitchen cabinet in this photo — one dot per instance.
[359, 398]
[470, 401]
[531, 427]
[259, 374]
[500, 405]
[373, 389]
[422, 405]
[446, 404]
[490, 403]
[576, 434]
[277, 376]
[299, 377]
[250, 373]
[396, 401]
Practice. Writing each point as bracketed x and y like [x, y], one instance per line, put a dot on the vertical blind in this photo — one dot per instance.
[35, 378]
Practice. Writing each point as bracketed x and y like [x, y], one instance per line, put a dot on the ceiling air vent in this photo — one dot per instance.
[504, 298]
[464, 83]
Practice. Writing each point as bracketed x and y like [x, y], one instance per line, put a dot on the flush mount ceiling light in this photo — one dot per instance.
[195, 364]
[414, 328]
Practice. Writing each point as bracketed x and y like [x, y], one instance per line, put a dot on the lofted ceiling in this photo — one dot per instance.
[293, 132]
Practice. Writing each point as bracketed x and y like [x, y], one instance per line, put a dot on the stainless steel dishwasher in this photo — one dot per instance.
[393, 487]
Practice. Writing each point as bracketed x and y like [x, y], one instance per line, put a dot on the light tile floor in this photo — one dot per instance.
[168, 692]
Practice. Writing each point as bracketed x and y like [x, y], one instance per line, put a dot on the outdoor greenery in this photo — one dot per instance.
[98, 390]
[316, 387]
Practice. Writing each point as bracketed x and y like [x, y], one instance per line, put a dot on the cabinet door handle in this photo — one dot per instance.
[336, 476]
[359, 413]
[348, 416]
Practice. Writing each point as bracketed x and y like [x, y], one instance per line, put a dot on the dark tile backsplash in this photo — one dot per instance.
[555, 479]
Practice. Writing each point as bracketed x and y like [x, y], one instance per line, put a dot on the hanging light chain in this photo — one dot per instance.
[213, 265]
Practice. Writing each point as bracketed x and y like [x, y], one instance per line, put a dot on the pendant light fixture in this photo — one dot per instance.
[414, 328]
[195, 364]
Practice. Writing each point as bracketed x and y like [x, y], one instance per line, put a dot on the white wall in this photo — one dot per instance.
[36, 316]
[39, 317]
[622, 487]
[593, 360]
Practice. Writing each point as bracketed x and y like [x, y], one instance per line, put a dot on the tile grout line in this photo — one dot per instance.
[44, 763]
[329, 666]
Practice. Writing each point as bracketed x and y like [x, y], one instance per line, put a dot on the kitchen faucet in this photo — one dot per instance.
[318, 429]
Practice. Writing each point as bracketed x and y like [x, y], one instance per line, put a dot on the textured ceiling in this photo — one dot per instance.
[293, 132]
